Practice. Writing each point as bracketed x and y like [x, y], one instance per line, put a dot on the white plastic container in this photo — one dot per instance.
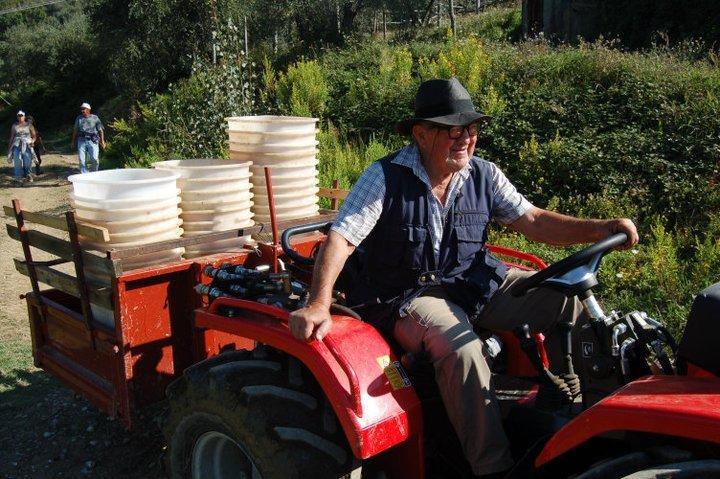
[144, 214]
[284, 183]
[164, 231]
[272, 147]
[205, 168]
[215, 205]
[288, 196]
[294, 213]
[272, 124]
[286, 145]
[298, 204]
[153, 201]
[217, 225]
[214, 184]
[223, 195]
[215, 197]
[135, 231]
[295, 171]
[137, 206]
[217, 214]
[271, 158]
[125, 184]
[262, 161]
[284, 138]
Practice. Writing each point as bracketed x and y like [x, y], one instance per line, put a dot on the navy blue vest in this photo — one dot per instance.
[398, 262]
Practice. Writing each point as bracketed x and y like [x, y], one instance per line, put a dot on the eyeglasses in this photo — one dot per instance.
[455, 132]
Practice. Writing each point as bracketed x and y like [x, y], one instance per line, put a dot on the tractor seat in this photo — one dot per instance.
[697, 345]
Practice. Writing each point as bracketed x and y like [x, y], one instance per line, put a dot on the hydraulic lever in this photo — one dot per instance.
[571, 379]
[553, 391]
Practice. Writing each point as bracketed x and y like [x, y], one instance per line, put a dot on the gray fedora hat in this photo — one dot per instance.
[445, 102]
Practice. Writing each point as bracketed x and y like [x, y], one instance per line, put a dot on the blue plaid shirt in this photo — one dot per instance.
[361, 209]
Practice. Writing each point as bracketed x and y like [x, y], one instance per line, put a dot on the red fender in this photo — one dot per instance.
[677, 406]
[371, 396]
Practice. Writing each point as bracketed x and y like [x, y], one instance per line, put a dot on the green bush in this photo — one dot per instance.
[189, 120]
[591, 125]
[302, 91]
[372, 87]
[344, 160]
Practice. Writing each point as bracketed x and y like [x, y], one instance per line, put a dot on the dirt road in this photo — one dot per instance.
[45, 430]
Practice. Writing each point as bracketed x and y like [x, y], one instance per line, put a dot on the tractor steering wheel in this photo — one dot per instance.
[573, 275]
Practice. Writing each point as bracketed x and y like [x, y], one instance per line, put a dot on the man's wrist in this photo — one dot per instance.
[318, 304]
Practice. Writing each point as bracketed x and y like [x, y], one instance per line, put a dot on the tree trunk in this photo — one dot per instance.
[246, 37]
[451, 7]
[350, 11]
[384, 20]
[428, 13]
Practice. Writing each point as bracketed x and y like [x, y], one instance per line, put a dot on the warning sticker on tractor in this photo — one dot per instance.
[394, 372]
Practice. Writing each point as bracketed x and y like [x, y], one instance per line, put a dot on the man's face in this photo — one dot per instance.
[436, 146]
[85, 112]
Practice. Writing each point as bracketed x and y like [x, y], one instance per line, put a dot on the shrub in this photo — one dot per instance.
[374, 93]
[189, 120]
[344, 160]
[302, 91]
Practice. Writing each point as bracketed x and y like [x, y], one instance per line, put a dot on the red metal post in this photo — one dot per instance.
[273, 220]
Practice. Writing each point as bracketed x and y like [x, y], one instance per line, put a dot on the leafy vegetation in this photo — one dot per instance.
[592, 129]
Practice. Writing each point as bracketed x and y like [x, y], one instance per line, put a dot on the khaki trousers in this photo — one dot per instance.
[441, 329]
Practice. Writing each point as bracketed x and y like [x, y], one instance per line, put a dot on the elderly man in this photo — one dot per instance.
[90, 135]
[421, 215]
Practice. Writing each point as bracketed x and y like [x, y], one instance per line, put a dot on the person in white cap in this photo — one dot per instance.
[90, 136]
[22, 136]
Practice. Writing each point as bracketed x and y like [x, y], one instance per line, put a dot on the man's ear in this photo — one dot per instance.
[421, 134]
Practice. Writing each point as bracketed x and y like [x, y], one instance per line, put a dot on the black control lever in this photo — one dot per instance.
[553, 391]
[571, 379]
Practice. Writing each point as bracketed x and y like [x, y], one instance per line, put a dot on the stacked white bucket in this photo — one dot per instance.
[215, 196]
[137, 206]
[288, 146]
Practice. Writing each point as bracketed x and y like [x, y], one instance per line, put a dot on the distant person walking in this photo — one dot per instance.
[38, 145]
[22, 136]
[90, 137]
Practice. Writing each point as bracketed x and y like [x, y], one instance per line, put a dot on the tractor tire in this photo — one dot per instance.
[258, 414]
[655, 463]
[700, 469]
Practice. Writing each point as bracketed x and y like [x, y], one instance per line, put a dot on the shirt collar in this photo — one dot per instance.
[409, 156]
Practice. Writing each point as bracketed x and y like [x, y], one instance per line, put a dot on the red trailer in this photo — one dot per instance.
[245, 397]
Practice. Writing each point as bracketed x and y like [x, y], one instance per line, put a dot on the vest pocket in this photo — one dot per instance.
[415, 253]
[404, 246]
[470, 240]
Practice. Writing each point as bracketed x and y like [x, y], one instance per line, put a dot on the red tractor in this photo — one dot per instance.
[247, 399]
[346, 406]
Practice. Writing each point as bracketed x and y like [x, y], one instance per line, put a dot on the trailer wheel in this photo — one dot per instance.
[252, 415]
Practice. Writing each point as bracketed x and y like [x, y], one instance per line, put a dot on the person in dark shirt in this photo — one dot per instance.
[38, 147]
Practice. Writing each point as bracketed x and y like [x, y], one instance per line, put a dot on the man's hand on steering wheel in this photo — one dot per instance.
[622, 225]
[312, 321]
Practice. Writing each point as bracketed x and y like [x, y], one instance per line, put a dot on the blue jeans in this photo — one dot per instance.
[21, 161]
[91, 151]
